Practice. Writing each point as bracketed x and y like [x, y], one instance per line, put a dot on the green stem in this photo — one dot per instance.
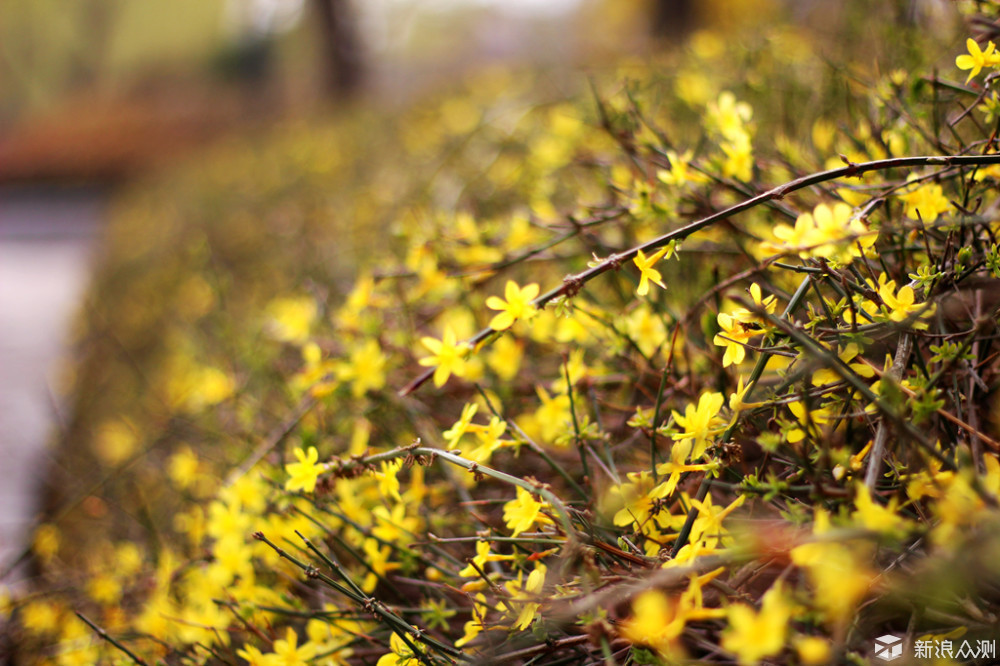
[755, 375]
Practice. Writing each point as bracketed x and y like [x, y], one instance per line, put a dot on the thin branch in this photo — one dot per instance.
[573, 283]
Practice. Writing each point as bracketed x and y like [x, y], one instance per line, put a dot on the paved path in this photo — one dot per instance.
[47, 237]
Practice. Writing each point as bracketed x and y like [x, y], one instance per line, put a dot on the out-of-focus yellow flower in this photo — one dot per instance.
[873, 516]
[680, 172]
[752, 636]
[291, 318]
[116, 441]
[655, 622]
[839, 576]
[290, 653]
[448, 356]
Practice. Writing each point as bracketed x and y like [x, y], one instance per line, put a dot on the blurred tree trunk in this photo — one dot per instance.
[343, 73]
[671, 18]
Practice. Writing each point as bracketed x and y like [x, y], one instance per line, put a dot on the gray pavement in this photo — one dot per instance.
[47, 237]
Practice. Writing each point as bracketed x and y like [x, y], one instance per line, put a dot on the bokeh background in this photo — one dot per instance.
[100, 97]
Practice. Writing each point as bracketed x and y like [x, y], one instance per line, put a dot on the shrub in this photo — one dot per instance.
[694, 366]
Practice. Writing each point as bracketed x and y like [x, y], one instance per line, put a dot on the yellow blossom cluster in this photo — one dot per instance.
[455, 415]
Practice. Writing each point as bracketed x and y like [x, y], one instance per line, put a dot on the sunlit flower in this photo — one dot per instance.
[700, 422]
[303, 474]
[830, 232]
[926, 202]
[518, 305]
[977, 58]
[647, 273]
[523, 512]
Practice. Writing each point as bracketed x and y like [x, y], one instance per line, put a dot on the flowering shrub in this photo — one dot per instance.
[630, 377]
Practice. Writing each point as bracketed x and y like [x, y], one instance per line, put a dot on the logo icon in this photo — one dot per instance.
[888, 647]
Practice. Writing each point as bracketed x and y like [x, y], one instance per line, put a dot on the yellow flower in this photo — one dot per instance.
[647, 273]
[647, 330]
[752, 636]
[849, 353]
[40, 617]
[448, 356]
[45, 542]
[388, 482]
[528, 596]
[291, 318]
[926, 202]
[735, 334]
[517, 306]
[116, 441]
[639, 497]
[741, 325]
[104, 588]
[400, 655]
[839, 575]
[901, 304]
[655, 622]
[977, 58]
[729, 116]
[707, 527]
[303, 474]
[808, 419]
[489, 440]
[739, 158]
[365, 368]
[464, 424]
[474, 626]
[523, 512]
[829, 232]
[813, 650]
[700, 422]
[680, 172]
[505, 357]
[379, 562]
[553, 415]
[183, 467]
[483, 555]
[254, 657]
[873, 516]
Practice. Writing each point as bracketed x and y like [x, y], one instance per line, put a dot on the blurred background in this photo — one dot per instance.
[97, 95]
